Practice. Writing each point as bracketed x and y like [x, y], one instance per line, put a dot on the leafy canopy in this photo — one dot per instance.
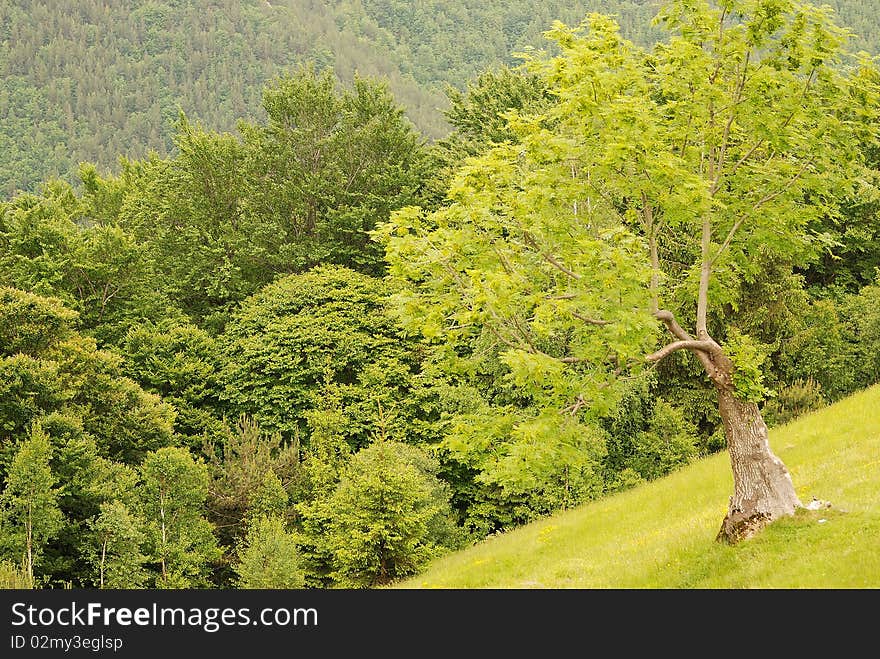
[655, 180]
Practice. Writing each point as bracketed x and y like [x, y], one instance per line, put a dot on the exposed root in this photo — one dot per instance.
[738, 526]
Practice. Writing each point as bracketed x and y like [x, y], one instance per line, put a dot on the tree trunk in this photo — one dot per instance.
[762, 487]
[103, 559]
[29, 541]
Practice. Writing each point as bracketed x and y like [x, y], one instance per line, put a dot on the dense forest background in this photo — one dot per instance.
[201, 381]
[95, 79]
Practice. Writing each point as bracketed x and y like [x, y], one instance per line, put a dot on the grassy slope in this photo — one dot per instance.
[661, 535]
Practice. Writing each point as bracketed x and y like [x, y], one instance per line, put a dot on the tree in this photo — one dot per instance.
[47, 367]
[57, 243]
[270, 499]
[269, 554]
[285, 341]
[228, 214]
[30, 513]
[178, 362]
[478, 117]
[241, 464]
[656, 187]
[116, 555]
[327, 165]
[30, 324]
[180, 540]
[388, 515]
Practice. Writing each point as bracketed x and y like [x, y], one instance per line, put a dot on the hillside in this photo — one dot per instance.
[660, 535]
[107, 78]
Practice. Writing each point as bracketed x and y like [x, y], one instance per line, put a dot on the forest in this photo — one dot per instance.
[324, 348]
[104, 79]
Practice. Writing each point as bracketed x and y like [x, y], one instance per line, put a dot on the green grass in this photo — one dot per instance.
[661, 534]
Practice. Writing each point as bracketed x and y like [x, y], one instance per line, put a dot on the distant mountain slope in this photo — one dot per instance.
[103, 78]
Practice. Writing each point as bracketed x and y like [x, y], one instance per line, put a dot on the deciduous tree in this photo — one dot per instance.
[180, 541]
[116, 551]
[30, 513]
[653, 190]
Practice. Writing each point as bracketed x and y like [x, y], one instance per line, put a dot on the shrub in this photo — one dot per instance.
[791, 401]
[390, 515]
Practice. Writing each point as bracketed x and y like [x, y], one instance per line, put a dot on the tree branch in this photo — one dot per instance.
[505, 341]
[592, 321]
[524, 333]
[764, 200]
[527, 346]
[694, 346]
[671, 324]
[552, 260]
[739, 162]
[648, 214]
[726, 137]
[770, 197]
[727, 240]
[705, 273]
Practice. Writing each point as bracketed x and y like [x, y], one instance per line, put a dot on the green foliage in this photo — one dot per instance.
[624, 479]
[29, 512]
[747, 356]
[53, 244]
[152, 59]
[862, 332]
[268, 558]
[116, 554]
[527, 252]
[834, 343]
[30, 324]
[793, 400]
[125, 421]
[647, 437]
[229, 213]
[270, 499]
[89, 480]
[445, 42]
[478, 117]
[285, 341]
[155, 57]
[668, 444]
[328, 450]
[171, 500]
[554, 248]
[816, 351]
[37, 235]
[509, 269]
[538, 460]
[243, 462]
[478, 112]
[178, 362]
[388, 516]
[185, 211]
[28, 387]
[328, 164]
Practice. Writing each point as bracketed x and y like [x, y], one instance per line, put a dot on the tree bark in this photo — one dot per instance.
[103, 560]
[762, 487]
